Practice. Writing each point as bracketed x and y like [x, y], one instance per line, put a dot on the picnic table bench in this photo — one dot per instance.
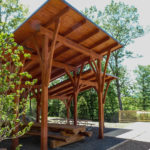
[61, 134]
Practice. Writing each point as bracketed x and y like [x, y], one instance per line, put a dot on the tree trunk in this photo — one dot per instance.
[119, 94]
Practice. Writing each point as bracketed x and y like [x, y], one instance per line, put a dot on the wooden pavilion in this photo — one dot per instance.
[62, 41]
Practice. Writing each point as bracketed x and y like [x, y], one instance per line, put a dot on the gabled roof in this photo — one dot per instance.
[79, 38]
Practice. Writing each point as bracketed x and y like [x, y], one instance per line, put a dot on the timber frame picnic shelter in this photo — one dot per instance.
[62, 41]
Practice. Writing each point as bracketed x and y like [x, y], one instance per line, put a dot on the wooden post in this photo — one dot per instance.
[44, 96]
[100, 101]
[68, 110]
[75, 107]
[76, 86]
[68, 115]
[47, 59]
[38, 109]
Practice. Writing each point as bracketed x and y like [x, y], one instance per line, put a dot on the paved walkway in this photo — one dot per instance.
[139, 131]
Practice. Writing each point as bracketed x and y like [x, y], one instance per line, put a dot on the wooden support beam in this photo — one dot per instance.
[65, 91]
[79, 77]
[69, 43]
[71, 78]
[63, 65]
[70, 30]
[60, 97]
[51, 52]
[56, 87]
[29, 65]
[88, 83]
[82, 39]
[37, 49]
[74, 27]
[57, 64]
[95, 65]
[108, 48]
[94, 69]
[106, 64]
[104, 96]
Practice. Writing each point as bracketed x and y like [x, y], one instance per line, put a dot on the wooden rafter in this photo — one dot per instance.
[69, 43]
[62, 65]
[82, 39]
[70, 30]
[99, 42]
[89, 83]
[56, 17]
[58, 97]
[35, 59]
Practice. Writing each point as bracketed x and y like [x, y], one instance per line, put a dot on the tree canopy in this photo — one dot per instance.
[12, 13]
[122, 22]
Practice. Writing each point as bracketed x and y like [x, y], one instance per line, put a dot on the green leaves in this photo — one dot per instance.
[143, 86]
[12, 13]
[122, 22]
[13, 92]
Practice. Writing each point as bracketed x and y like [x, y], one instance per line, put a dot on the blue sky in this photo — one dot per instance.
[140, 46]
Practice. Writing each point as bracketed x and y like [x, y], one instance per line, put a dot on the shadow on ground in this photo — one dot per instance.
[132, 145]
[92, 143]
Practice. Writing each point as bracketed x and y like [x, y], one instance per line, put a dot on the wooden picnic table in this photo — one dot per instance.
[61, 134]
